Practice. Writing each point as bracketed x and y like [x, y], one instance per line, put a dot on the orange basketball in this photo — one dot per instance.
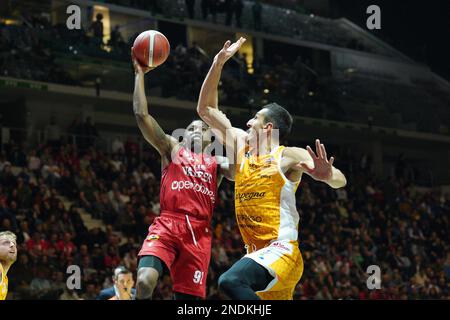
[151, 48]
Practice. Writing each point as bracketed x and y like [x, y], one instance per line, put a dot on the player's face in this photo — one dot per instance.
[255, 125]
[8, 249]
[198, 133]
[125, 281]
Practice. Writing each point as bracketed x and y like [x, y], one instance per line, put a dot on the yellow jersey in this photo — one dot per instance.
[3, 283]
[265, 200]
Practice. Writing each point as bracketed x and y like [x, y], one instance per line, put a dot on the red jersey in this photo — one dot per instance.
[189, 185]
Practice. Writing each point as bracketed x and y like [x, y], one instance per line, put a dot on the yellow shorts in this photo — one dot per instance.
[284, 262]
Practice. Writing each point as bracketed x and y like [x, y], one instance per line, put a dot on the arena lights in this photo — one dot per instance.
[9, 22]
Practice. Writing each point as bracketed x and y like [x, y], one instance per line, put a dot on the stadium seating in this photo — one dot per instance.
[386, 222]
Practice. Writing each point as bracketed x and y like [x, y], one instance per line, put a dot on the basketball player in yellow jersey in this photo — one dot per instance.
[267, 176]
[8, 255]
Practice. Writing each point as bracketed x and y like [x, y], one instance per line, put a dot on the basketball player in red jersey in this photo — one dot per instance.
[180, 238]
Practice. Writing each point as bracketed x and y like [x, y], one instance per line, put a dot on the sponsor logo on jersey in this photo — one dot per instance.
[189, 185]
[265, 165]
[152, 237]
[248, 196]
[281, 246]
[198, 171]
[248, 218]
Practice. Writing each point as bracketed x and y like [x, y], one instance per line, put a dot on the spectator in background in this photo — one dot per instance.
[24, 234]
[112, 258]
[17, 156]
[123, 285]
[21, 272]
[40, 286]
[97, 30]
[117, 145]
[34, 163]
[66, 246]
[51, 173]
[131, 147]
[37, 246]
[75, 129]
[447, 265]
[69, 295]
[6, 214]
[89, 133]
[53, 133]
[108, 293]
[90, 293]
[98, 83]
[7, 178]
[116, 37]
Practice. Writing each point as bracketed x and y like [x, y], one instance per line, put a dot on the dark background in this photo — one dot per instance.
[420, 29]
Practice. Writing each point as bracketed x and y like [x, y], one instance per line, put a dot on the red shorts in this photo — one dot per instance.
[184, 244]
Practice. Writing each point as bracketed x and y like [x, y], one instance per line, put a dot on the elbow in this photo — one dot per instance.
[339, 179]
[202, 111]
[140, 117]
[199, 110]
[342, 183]
[337, 184]
[139, 113]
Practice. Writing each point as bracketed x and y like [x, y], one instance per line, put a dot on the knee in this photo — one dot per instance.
[147, 278]
[228, 281]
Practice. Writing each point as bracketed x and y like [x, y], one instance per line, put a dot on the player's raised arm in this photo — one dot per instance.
[315, 164]
[150, 129]
[207, 106]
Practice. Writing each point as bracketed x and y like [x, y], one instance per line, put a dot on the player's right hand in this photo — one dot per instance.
[138, 68]
[228, 50]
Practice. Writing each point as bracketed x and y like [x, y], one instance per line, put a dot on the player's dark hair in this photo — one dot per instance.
[280, 117]
[120, 270]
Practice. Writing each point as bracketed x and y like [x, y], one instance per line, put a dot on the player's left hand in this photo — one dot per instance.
[228, 50]
[138, 68]
[323, 168]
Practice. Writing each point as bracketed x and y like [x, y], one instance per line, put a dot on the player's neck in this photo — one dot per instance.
[5, 266]
[195, 149]
[263, 149]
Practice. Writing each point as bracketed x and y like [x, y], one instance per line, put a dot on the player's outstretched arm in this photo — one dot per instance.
[149, 127]
[316, 165]
[207, 106]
